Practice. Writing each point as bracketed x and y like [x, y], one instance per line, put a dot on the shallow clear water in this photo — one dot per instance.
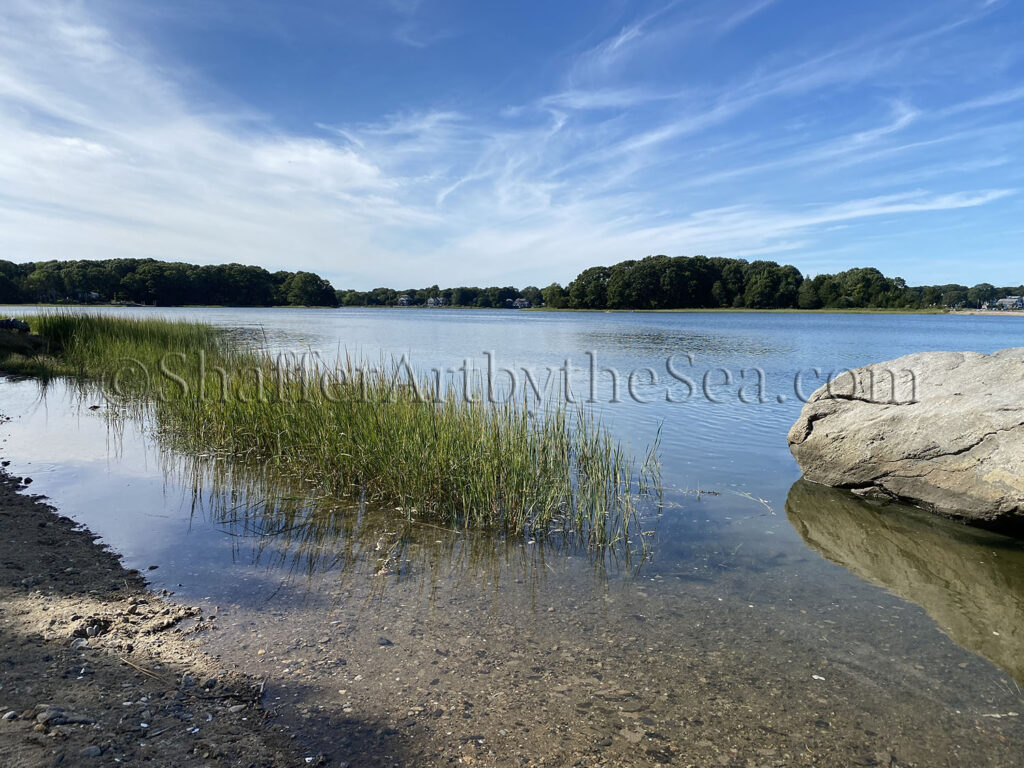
[795, 605]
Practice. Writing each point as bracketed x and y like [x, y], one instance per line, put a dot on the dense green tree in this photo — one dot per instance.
[9, 292]
[555, 296]
[807, 296]
[981, 293]
[307, 289]
[590, 289]
[533, 295]
[148, 281]
[654, 282]
[464, 296]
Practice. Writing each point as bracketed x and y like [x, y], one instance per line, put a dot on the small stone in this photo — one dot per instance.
[12, 715]
[384, 642]
[211, 683]
[47, 717]
[92, 631]
[92, 751]
[187, 680]
[633, 737]
[236, 709]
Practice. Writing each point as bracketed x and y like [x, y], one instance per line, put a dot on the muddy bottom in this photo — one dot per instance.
[519, 662]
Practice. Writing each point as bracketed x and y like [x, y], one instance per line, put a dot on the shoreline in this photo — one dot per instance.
[692, 310]
[752, 311]
[989, 312]
[682, 310]
[98, 668]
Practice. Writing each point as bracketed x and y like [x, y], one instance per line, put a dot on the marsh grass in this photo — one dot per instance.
[350, 433]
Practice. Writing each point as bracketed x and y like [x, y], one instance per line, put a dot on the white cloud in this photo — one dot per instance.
[102, 155]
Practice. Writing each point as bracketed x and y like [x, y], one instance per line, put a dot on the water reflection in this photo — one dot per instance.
[639, 341]
[970, 581]
[287, 525]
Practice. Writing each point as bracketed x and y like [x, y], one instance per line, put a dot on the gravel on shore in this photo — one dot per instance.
[95, 669]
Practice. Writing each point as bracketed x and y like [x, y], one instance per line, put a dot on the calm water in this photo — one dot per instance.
[775, 620]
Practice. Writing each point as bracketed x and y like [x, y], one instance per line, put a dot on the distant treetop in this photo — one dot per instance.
[655, 282]
[161, 283]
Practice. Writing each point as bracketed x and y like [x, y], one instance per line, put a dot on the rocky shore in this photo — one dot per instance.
[98, 670]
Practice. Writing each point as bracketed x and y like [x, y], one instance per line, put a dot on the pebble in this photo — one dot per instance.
[12, 715]
[236, 708]
[44, 718]
[92, 751]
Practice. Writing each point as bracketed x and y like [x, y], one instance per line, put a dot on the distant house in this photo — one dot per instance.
[436, 301]
[404, 300]
[1011, 302]
[521, 304]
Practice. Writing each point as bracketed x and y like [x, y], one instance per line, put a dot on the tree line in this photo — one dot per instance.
[463, 296]
[655, 282]
[161, 283]
[699, 282]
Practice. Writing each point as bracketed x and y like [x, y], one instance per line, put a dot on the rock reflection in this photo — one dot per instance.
[970, 581]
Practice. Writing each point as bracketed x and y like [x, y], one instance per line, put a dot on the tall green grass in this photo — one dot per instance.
[91, 347]
[348, 432]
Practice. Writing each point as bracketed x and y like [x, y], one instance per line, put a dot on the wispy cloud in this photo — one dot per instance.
[411, 29]
[997, 99]
[102, 154]
[743, 15]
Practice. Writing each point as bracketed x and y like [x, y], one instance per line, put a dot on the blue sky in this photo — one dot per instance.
[411, 142]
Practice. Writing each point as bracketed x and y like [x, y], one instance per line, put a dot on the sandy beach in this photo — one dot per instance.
[97, 669]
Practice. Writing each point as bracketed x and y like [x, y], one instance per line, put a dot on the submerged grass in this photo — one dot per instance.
[436, 453]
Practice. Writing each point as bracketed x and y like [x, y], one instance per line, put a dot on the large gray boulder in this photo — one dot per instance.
[942, 430]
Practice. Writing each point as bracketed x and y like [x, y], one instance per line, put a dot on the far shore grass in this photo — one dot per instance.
[437, 455]
[748, 310]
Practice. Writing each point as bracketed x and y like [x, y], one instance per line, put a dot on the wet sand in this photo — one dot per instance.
[97, 670]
